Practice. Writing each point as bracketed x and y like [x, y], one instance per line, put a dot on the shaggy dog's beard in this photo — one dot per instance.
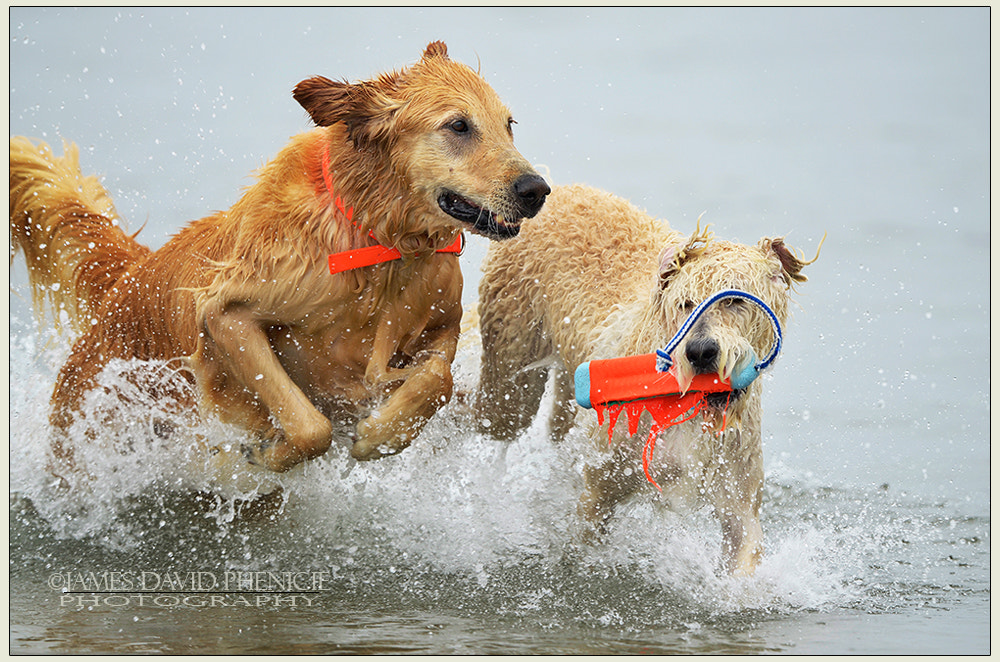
[718, 414]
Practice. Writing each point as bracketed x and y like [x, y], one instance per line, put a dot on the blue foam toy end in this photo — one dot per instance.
[744, 377]
[581, 379]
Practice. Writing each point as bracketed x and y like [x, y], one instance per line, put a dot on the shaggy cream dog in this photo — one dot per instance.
[593, 277]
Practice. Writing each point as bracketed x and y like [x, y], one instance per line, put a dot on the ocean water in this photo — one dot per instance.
[870, 126]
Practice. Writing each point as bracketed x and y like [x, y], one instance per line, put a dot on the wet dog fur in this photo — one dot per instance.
[593, 277]
[244, 298]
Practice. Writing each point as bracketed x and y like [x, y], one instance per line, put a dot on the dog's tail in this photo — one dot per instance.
[68, 230]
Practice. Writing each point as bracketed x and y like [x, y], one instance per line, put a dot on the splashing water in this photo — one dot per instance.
[456, 524]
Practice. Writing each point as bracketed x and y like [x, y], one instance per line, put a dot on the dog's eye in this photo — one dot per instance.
[510, 125]
[459, 126]
[687, 306]
[733, 302]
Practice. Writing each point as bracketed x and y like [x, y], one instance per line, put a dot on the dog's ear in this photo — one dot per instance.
[673, 257]
[791, 264]
[365, 108]
[669, 264]
[436, 49]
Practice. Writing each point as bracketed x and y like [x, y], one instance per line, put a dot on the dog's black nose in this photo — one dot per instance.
[531, 191]
[703, 353]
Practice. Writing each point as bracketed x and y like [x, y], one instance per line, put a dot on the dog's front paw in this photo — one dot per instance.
[257, 452]
[375, 441]
[280, 449]
[365, 451]
[271, 452]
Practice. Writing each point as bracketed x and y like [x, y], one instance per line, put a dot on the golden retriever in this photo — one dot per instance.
[331, 289]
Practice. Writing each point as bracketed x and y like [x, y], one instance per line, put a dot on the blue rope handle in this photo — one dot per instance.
[663, 361]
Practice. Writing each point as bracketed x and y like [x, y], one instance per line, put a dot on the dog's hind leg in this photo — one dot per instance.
[76, 377]
[564, 405]
[609, 483]
[511, 383]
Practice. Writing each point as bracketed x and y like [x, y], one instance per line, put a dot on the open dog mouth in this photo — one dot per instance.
[723, 400]
[483, 221]
[718, 407]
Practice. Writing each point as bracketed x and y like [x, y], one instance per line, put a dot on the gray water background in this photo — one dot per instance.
[871, 126]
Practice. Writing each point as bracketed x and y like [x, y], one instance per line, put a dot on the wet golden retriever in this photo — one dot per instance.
[330, 290]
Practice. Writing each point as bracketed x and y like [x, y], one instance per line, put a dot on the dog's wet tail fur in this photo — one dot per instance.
[68, 229]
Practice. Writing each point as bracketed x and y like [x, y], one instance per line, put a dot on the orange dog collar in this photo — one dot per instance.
[369, 255]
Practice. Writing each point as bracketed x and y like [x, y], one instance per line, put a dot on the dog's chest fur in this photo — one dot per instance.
[328, 352]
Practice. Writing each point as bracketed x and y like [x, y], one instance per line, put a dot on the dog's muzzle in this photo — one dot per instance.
[531, 191]
[752, 369]
[529, 195]
[703, 355]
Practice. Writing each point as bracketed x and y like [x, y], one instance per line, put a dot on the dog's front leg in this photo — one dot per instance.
[240, 343]
[738, 488]
[742, 542]
[427, 387]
